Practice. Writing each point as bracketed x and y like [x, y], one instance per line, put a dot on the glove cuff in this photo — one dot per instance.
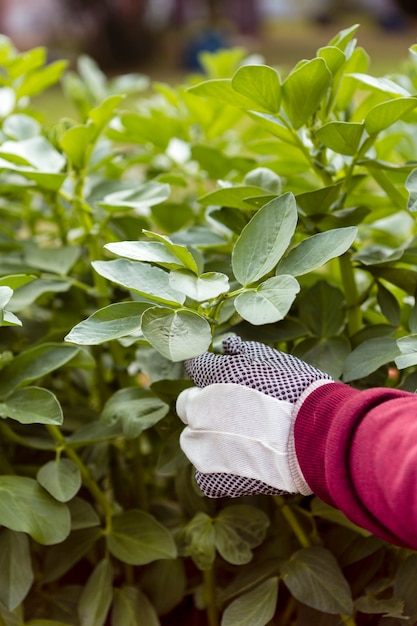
[295, 469]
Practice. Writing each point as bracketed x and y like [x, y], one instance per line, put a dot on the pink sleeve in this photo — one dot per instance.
[358, 452]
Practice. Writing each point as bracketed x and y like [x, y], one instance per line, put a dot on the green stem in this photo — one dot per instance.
[293, 522]
[87, 479]
[209, 594]
[351, 293]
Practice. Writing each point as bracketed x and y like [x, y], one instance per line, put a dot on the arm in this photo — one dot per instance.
[365, 456]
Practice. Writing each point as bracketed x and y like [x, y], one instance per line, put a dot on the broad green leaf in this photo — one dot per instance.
[83, 515]
[37, 152]
[32, 405]
[407, 347]
[27, 61]
[96, 596]
[16, 280]
[387, 113]
[198, 541]
[404, 585]
[260, 84]
[304, 89]
[137, 409]
[61, 478]
[221, 89]
[369, 356]
[264, 239]
[200, 288]
[51, 259]
[389, 305]
[25, 507]
[315, 251]
[75, 142]
[62, 557]
[391, 607]
[37, 81]
[138, 199]
[16, 572]
[132, 608]
[314, 577]
[183, 254]
[165, 583]
[344, 37]
[239, 529]
[269, 302]
[7, 101]
[21, 126]
[112, 322]
[177, 335]
[322, 309]
[328, 354]
[34, 363]
[5, 295]
[104, 112]
[266, 179]
[138, 538]
[147, 280]
[25, 295]
[146, 251]
[386, 85]
[254, 608]
[341, 137]
[235, 197]
[334, 57]
[275, 126]
[49, 181]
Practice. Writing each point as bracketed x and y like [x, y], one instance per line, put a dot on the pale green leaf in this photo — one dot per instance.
[387, 113]
[147, 280]
[96, 596]
[269, 302]
[26, 507]
[314, 577]
[221, 89]
[386, 85]
[304, 89]
[264, 239]
[32, 405]
[146, 251]
[315, 251]
[185, 256]
[369, 356]
[254, 608]
[16, 572]
[132, 608]
[139, 199]
[199, 288]
[177, 335]
[137, 409]
[37, 152]
[341, 137]
[407, 347]
[239, 529]
[138, 538]
[261, 85]
[112, 322]
[61, 478]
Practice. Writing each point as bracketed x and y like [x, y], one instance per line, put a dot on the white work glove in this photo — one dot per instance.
[240, 419]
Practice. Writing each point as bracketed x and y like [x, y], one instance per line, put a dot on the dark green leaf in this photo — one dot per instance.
[61, 478]
[96, 596]
[132, 608]
[16, 573]
[369, 356]
[255, 608]
[137, 409]
[239, 529]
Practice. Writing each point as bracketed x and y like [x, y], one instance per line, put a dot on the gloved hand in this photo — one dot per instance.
[240, 419]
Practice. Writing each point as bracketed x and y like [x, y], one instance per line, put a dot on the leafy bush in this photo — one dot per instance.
[142, 233]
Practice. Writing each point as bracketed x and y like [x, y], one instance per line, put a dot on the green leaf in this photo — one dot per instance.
[407, 347]
[386, 85]
[26, 507]
[104, 112]
[255, 608]
[16, 572]
[392, 607]
[96, 596]
[83, 515]
[199, 288]
[237, 197]
[328, 354]
[75, 142]
[138, 538]
[389, 305]
[21, 126]
[315, 251]
[404, 585]
[304, 89]
[269, 302]
[61, 478]
[132, 608]
[264, 239]
[411, 186]
[369, 356]
[314, 578]
[146, 251]
[62, 557]
[260, 84]
[34, 363]
[198, 541]
[136, 409]
[239, 529]
[147, 280]
[341, 137]
[383, 115]
[266, 179]
[221, 89]
[27, 294]
[111, 322]
[322, 309]
[139, 199]
[38, 80]
[51, 259]
[177, 335]
[335, 58]
[183, 254]
[36, 152]
[32, 405]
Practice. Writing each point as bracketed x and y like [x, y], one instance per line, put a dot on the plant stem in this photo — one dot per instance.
[88, 480]
[293, 522]
[209, 594]
[351, 293]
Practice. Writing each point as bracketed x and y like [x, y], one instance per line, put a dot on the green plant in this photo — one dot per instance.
[278, 209]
